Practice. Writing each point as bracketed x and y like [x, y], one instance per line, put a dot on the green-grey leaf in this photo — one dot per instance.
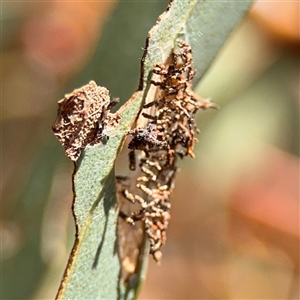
[93, 271]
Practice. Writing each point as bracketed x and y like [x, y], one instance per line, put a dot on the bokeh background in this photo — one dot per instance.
[234, 232]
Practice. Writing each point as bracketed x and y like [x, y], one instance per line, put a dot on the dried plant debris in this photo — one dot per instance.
[130, 238]
[169, 134]
[83, 117]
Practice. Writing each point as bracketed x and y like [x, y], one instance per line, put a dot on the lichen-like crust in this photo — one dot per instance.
[82, 117]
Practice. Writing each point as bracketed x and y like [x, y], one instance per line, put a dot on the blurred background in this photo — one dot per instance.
[234, 232]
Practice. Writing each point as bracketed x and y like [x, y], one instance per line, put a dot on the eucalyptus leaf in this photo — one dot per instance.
[94, 268]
